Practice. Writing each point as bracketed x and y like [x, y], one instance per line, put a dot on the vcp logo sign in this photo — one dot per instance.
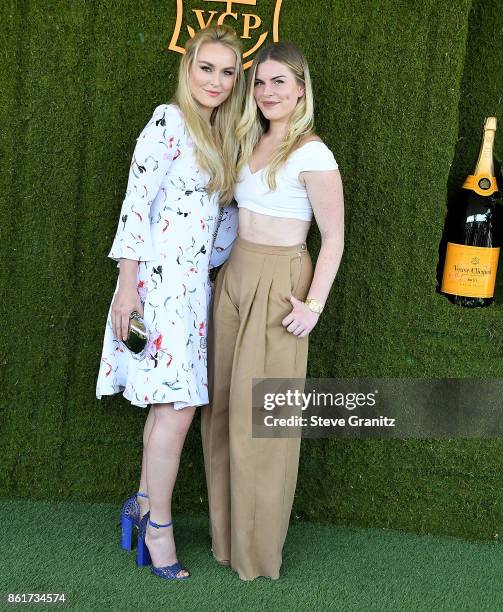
[239, 14]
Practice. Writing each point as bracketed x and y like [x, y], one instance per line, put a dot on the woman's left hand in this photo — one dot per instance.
[301, 320]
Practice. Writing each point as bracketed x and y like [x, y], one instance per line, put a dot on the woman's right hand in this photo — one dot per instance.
[126, 300]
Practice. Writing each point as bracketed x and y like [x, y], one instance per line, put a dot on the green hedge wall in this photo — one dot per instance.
[401, 89]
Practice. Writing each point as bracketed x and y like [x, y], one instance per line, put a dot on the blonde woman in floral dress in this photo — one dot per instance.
[183, 168]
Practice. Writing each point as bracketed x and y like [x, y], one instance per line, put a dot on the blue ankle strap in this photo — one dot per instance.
[141, 495]
[157, 525]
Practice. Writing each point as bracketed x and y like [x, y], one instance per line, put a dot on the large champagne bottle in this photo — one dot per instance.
[471, 259]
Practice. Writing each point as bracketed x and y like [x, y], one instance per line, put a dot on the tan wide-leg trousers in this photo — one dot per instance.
[251, 481]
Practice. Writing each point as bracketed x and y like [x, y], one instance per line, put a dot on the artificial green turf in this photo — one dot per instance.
[74, 548]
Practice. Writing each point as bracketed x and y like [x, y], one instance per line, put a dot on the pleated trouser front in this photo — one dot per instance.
[251, 481]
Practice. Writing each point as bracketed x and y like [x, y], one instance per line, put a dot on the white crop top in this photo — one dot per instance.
[289, 199]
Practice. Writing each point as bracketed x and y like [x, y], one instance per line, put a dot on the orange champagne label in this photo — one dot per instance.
[470, 271]
[483, 184]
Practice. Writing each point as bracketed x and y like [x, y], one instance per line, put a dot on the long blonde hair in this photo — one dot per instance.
[216, 149]
[253, 123]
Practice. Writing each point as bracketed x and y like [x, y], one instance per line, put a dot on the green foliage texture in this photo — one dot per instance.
[401, 90]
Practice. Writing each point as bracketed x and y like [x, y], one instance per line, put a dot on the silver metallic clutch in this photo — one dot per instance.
[137, 338]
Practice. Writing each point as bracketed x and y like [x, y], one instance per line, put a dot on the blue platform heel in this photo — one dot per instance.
[168, 572]
[130, 518]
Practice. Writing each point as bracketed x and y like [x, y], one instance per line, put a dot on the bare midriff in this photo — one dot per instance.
[273, 231]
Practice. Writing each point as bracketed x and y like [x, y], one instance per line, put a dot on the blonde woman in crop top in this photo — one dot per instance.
[261, 314]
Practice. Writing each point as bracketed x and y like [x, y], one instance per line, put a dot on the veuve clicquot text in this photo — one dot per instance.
[471, 259]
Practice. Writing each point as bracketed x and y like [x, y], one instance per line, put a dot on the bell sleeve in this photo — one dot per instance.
[225, 236]
[156, 148]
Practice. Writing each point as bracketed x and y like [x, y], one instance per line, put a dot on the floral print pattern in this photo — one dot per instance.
[166, 223]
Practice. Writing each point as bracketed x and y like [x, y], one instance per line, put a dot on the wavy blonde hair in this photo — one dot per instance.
[253, 123]
[216, 149]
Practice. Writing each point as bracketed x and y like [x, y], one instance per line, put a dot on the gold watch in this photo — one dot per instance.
[314, 305]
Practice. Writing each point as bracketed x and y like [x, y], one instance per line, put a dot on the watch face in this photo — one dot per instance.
[314, 306]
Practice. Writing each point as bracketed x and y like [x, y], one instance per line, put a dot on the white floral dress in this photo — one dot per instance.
[166, 223]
